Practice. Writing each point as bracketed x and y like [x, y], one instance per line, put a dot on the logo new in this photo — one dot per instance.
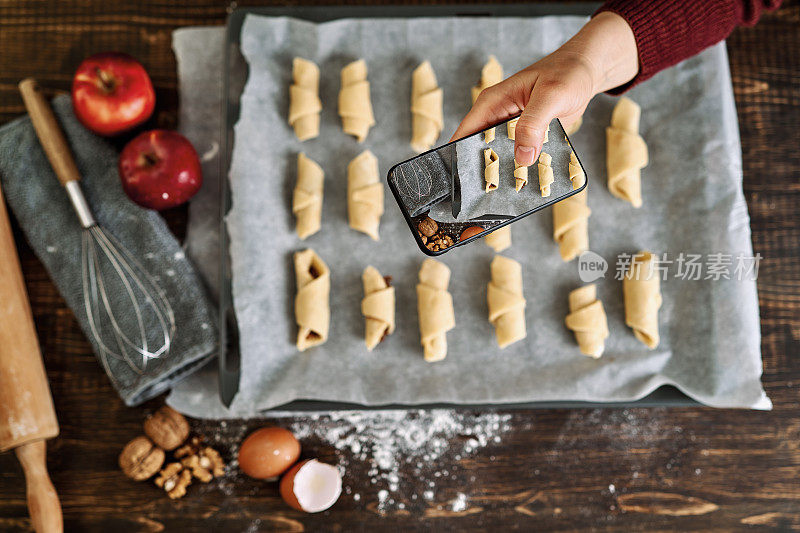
[591, 267]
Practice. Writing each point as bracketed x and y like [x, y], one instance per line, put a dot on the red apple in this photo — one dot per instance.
[160, 169]
[111, 93]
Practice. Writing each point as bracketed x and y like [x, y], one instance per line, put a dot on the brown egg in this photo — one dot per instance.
[311, 486]
[268, 452]
[470, 232]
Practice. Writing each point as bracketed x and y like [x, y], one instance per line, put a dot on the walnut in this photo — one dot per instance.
[428, 226]
[167, 428]
[424, 238]
[174, 479]
[204, 461]
[141, 459]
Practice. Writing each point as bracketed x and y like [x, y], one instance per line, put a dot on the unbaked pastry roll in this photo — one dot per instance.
[311, 304]
[546, 134]
[511, 126]
[626, 152]
[641, 289]
[499, 239]
[545, 173]
[491, 172]
[571, 216]
[307, 198]
[304, 102]
[435, 308]
[426, 108]
[355, 106]
[491, 74]
[587, 319]
[364, 194]
[520, 175]
[506, 302]
[377, 306]
[576, 174]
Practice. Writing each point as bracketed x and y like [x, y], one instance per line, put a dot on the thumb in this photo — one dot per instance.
[495, 104]
[543, 106]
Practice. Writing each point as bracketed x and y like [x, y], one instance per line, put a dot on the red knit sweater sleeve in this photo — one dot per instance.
[669, 31]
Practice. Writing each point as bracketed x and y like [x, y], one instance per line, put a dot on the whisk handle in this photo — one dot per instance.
[49, 132]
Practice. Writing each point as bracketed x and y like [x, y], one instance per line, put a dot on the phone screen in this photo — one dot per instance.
[472, 186]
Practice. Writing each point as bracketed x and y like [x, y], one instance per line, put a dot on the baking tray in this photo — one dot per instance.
[235, 77]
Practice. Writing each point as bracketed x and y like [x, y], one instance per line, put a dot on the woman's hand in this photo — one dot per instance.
[603, 55]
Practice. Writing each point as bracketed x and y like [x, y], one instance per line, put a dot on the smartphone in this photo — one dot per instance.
[470, 187]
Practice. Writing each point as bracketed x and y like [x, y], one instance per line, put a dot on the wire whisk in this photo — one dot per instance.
[149, 334]
[129, 316]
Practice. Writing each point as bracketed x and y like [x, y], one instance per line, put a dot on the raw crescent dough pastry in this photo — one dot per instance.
[364, 194]
[511, 125]
[546, 134]
[307, 199]
[520, 175]
[435, 307]
[571, 217]
[304, 102]
[311, 306]
[642, 294]
[426, 108]
[587, 319]
[492, 171]
[626, 152]
[377, 307]
[499, 239]
[506, 303]
[545, 173]
[491, 74]
[355, 106]
[576, 175]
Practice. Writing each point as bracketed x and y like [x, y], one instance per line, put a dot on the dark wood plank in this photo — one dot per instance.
[686, 469]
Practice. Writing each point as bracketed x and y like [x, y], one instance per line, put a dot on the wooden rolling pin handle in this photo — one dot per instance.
[43, 504]
[49, 132]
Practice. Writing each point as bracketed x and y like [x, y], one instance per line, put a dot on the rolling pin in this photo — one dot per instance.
[27, 416]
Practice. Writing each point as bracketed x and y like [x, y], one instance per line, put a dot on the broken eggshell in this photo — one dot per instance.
[311, 486]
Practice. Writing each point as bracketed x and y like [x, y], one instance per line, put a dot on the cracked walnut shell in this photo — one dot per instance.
[174, 479]
[167, 428]
[141, 459]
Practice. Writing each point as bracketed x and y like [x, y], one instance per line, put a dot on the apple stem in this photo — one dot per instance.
[105, 79]
[149, 160]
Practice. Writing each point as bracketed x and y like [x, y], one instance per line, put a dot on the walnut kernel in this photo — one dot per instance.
[174, 479]
[204, 462]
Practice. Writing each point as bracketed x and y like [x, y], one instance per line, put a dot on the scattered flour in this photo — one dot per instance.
[460, 503]
[403, 450]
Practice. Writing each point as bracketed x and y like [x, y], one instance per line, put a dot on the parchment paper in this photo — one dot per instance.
[505, 200]
[693, 202]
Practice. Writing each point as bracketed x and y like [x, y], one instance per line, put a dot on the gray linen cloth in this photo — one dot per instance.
[50, 225]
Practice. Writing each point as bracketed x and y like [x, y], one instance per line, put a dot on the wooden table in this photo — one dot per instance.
[634, 469]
